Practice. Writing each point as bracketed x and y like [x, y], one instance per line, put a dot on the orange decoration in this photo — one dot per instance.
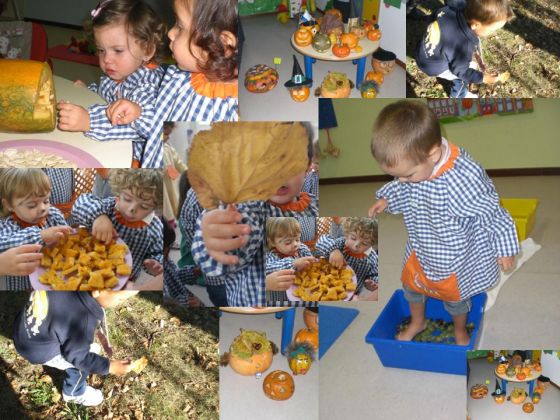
[528, 407]
[303, 37]
[374, 35]
[349, 39]
[258, 363]
[375, 76]
[308, 335]
[278, 385]
[311, 319]
[521, 376]
[359, 31]
[341, 50]
[299, 94]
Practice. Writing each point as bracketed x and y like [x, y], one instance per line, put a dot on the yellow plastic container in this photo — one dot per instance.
[523, 212]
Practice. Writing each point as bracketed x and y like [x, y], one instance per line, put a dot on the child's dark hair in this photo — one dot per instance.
[168, 238]
[488, 11]
[184, 188]
[209, 20]
[405, 129]
[141, 22]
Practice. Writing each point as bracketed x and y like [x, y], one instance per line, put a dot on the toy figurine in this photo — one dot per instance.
[383, 61]
[300, 356]
[298, 85]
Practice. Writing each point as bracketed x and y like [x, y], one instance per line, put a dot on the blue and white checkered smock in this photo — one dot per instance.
[144, 243]
[140, 87]
[245, 281]
[365, 267]
[13, 235]
[308, 228]
[455, 224]
[190, 211]
[178, 101]
[311, 184]
[175, 280]
[62, 184]
[275, 262]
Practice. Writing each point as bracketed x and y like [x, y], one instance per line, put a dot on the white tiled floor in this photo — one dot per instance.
[486, 409]
[266, 38]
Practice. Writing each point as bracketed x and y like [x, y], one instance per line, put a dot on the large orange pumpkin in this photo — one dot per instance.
[518, 395]
[341, 50]
[303, 37]
[250, 353]
[375, 76]
[258, 363]
[27, 97]
[349, 39]
[311, 319]
[278, 385]
[308, 335]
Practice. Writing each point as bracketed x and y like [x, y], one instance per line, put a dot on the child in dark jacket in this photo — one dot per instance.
[451, 49]
[57, 329]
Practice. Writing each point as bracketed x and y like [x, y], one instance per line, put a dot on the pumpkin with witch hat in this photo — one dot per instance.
[499, 394]
[298, 85]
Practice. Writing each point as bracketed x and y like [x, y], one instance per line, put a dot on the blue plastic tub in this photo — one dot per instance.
[444, 358]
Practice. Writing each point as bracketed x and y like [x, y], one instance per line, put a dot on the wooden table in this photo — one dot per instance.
[288, 316]
[530, 380]
[359, 58]
[110, 154]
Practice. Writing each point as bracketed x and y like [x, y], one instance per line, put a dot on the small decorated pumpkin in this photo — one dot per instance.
[527, 371]
[368, 25]
[369, 89]
[536, 398]
[250, 353]
[321, 42]
[383, 61]
[537, 366]
[300, 356]
[303, 37]
[501, 369]
[261, 78]
[500, 399]
[539, 389]
[528, 407]
[307, 335]
[335, 85]
[518, 395]
[479, 391]
[510, 371]
[278, 385]
[330, 24]
[341, 50]
[521, 376]
[374, 34]
[349, 39]
[311, 318]
[300, 93]
[27, 96]
[334, 12]
[359, 31]
[300, 364]
[375, 76]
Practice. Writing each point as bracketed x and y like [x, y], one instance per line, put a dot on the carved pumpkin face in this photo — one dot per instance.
[479, 391]
[341, 50]
[500, 399]
[384, 67]
[299, 93]
[528, 407]
[278, 385]
[349, 39]
[311, 319]
[303, 37]
[300, 364]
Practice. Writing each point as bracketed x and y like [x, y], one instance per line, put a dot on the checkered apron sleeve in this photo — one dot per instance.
[190, 211]
[325, 245]
[175, 280]
[311, 184]
[308, 227]
[247, 287]
[395, 194]
[88, 207]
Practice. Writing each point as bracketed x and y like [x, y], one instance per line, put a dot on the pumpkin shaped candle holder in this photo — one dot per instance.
[250, 353]
[278, 385]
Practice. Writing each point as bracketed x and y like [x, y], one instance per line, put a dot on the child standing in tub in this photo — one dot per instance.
[458, 235]
[129, 36]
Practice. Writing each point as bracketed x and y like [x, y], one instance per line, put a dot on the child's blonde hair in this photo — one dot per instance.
[280, 227]
[365, 227]
[405, 130]
[22, 183]
[488, 11]
[146, 184]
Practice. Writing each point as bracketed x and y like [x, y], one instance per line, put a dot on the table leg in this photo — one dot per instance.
[361, 62]
[504, 386]
[531, 388]
[309, 67]
[288, 318]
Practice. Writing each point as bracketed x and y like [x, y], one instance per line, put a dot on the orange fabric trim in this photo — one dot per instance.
[209, 89]
[311, 243]
[281, 255]
[453, 155]
[135, 164]
[301, 204]
[414, 278]
[135, 225]
[66, 208]
[358, 255]
[103, 172]
[151, 65]
[24, 224]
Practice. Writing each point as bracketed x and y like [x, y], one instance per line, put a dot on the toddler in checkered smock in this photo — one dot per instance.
[458, 235]
[355, 249]
[130, 215]
[27, 216]
[129, 38]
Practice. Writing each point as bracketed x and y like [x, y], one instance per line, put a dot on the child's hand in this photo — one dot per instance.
[280, 281]
[123, 111]
[370, 285]
[153, 267]
[53, 234]
[337, 259]
[79, 83]
[506, 263]
[490, 78]
[378, 207]
[103, 230]
[221, 232]
[20, 261]
[120, 367]
[303, 262]
[72, 117]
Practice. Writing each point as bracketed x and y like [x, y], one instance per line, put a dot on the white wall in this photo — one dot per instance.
[392, 22]
[551, 366]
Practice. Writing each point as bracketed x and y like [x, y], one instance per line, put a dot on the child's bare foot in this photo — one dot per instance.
[413, 328]
[462, 338]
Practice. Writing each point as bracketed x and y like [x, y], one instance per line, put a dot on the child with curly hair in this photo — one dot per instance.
[129, 37]
[129, 215]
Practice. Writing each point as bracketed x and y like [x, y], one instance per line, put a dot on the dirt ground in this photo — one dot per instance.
[180, 381]
[528, 47]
